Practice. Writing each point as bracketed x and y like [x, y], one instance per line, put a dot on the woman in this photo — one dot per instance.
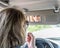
[12, 29]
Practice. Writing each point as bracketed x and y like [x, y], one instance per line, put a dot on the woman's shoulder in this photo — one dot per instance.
[23, 46]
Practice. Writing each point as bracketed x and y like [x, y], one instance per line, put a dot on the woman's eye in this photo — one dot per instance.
[26, 24]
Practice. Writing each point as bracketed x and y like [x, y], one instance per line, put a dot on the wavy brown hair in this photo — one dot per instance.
[12, 31]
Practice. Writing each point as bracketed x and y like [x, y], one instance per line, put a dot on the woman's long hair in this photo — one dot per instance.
[11, 28]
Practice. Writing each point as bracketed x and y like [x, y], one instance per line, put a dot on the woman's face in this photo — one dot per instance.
[37, 18]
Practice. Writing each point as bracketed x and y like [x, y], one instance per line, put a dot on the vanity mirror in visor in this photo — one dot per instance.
[34, 19]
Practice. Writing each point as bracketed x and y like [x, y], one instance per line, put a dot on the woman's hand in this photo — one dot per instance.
[30, 40]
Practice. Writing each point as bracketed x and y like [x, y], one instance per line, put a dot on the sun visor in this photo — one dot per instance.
[43, 17]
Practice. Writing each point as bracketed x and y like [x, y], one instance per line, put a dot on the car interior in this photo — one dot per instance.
[43, 17]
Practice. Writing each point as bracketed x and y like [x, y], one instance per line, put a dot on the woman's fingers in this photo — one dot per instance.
[30, 37]
[30, 40]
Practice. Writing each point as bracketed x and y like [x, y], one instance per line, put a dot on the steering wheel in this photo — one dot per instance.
[40, 41]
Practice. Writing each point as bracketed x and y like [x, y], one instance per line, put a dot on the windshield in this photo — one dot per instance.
[44, 31]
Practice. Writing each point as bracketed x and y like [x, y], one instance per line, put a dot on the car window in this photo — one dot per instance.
[44, 31]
